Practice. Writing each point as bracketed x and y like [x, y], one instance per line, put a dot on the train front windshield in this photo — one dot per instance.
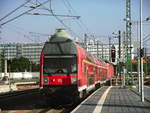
[60, 58]
[54, 66]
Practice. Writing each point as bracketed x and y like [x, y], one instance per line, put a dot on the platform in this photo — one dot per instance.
[7, 88]
[113, 100]
[146, 92]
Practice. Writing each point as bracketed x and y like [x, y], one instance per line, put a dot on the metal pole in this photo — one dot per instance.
[102, 51]
[97, 49]
[9, 78]
[119, 38]
[30, 63]
[119, 68]
[145, 51]
[141, 56]
[85, 41]
[138, 51]
[5, 65]
[124, 77]
[0, 62]
[146, 66]
[124, 56]
[139, 82]
[109, 49]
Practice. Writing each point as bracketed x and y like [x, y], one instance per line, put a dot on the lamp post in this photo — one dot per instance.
[144, 40]
[85, 41]
[109, 49]
[141, 56]
[30, 65]
[97, 49]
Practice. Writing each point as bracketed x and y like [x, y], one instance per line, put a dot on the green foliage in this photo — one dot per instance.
[18, 65]
[35, 67]
[2, 61]
[128, 63]
[146, 67]
[135, 67]
[21, 65]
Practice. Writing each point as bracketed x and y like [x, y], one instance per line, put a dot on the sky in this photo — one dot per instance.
[98, 18]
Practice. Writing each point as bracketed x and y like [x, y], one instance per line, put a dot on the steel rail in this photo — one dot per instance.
[18, 93]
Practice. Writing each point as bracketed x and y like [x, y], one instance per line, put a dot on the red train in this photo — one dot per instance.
[65, 66]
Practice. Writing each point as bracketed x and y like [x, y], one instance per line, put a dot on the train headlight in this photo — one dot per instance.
[46, 81]
[59, 80]
[74, 80]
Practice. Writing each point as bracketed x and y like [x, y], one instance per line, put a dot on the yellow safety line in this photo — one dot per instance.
[85, 61]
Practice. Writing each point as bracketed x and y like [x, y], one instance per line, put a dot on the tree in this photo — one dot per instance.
[35, 67]
[19, 65]
[2, 57]
[22, 64]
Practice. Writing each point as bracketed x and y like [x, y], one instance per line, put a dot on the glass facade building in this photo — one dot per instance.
[31, 51]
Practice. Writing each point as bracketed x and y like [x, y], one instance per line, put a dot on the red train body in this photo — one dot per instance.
[64, 64]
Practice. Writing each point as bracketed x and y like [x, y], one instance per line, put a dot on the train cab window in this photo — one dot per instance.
[58, 66]
[74, 68]
[60, 48]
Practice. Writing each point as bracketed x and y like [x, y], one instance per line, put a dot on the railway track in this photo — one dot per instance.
[65, 108]
[8, 95]
[59, 109]
[32, 101]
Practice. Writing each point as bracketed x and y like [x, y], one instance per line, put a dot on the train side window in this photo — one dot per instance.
[99, 72]
[84, 68]
[94, 70]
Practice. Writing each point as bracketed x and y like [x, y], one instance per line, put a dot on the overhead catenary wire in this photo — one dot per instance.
[55, 15]
[23, 13]
[26, 33]
[41, 14]
[61, 20]
[146, 40]
[80, 22]
[57, 18]
[147, 37]
[63, 15]
[80, 18]
[14, 10]
[30, 32]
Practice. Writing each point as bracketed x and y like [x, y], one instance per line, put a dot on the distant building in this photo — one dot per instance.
[103, 51]
[31, 51]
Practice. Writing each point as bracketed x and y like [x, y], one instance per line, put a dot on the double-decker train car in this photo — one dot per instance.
[68, 68]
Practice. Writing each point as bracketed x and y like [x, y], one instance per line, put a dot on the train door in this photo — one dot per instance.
[85, 72]
[91, 75]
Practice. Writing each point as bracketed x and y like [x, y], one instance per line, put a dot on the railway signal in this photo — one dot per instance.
[142, 52]
[113, 53]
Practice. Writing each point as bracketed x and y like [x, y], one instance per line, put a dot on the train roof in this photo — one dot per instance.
[61, 36]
